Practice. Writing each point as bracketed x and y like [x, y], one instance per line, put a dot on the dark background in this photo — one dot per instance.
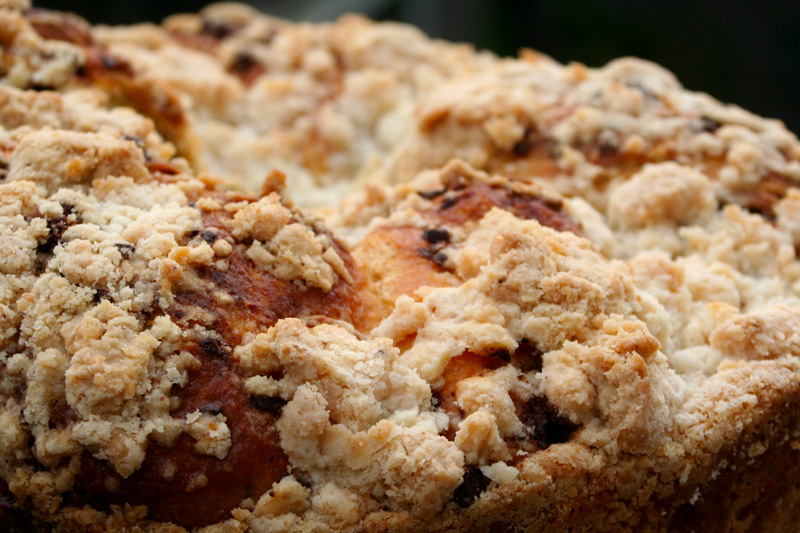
[745, 52]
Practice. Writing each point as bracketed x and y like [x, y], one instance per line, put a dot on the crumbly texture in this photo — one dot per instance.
[324, 103]
[531, 297]
[110, 255]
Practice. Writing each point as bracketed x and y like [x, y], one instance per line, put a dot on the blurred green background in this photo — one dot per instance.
[745, 52]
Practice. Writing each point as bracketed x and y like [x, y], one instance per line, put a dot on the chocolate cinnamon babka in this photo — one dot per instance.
[262, 276]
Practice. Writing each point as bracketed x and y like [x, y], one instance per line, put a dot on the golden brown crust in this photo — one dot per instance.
[401, 256]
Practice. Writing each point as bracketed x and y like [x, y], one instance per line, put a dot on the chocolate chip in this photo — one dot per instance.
[100, 62]
[100, 295]
[448, 202]
[505, 355]
[211, 409]
[213, 348]
[216, 28]
[109, 63]
[209, 236]
[40, 264]
[522, 148]
[528, 357]
[459, 183]
[61, 414]
[554, 150]
[525, 145]
[56, 228]
[39, 87]
[647, 93]
[436, 235]
[3, 170]
[608, 142]
[138, 141]
[440, 258]
[709, 124]
[269, 404]
[126, 249]
[472, 486]
[430, 195]
[544, 425]
[140, 144]
[37, 466]
[243, 61]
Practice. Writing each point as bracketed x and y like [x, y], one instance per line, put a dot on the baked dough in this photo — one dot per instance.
[267, 276]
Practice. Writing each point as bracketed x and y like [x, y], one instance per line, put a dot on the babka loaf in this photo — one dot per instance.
[262, 276]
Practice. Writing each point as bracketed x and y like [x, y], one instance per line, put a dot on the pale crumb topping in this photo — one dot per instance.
[286, 249]
[212, 434]
[662, 193]
[97, 247]
[553, 290]
[337, 425]
[80, 158]
[32, 61]
[582, 130]
[766, 333]
[529, 268]
[480, 439]
[336, 97]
